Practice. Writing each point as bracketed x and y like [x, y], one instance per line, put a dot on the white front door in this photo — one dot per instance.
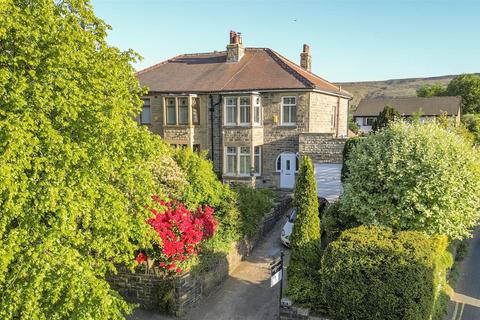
[287, 172]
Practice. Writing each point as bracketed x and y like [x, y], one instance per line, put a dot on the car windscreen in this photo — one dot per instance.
[293, 214]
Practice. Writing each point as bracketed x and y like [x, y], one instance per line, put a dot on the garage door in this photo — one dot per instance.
[327, 176]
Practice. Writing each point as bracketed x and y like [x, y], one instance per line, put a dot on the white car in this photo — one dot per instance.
[288, 227]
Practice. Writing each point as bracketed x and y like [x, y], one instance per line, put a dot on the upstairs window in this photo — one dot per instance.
[257, 111]
[231, 111]
[196, 110]
[171, 111]
[145, 115]
[368, 121]
[244, 110]
[183, 110]
[289, 110]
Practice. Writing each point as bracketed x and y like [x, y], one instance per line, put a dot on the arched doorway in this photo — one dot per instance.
[287, 164]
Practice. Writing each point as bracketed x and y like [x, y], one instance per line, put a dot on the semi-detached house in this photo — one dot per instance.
[252, 109]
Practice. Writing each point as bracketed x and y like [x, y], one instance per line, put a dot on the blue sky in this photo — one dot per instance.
[350, 40]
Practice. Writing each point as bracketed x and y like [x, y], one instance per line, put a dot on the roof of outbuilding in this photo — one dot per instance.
[429, 106]
[260, 69]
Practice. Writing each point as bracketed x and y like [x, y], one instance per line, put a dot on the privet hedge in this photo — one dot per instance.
[375, 273]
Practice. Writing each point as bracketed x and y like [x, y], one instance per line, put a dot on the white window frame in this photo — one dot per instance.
[259, 155]
[227, 154]
[249, 162]
[365, 121]
[248, 112]
[235, 108]
[257, 105]
[167, 106]
[149, 106]
[179, 107]
[283, 123]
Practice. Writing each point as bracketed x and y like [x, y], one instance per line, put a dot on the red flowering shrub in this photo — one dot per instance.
[181, 232]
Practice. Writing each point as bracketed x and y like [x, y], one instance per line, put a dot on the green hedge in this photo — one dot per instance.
[349, 144]
[374, 273]
[253, 205]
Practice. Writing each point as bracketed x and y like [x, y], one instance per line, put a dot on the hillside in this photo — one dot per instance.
[389, 88]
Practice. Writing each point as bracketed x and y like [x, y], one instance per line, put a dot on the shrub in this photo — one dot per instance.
[349, 145]
[253, 204]
[414, 177]
[335, 221]
[303, 277]
[375, 273]
[180, 233]
[204, 188]
[387, 116]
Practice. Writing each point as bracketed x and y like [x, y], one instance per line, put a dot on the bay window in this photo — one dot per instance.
[238, 161]
[196, 110]
[171, 110]
[258, 160]
[231, 111]
[257, 112]
[231, 163]
[245, 162]
[183, 110]
[244, 110]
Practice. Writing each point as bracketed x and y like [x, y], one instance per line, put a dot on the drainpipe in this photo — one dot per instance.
[212, 110]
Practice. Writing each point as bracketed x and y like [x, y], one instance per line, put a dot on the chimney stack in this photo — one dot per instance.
[235, 48]
[306, 58]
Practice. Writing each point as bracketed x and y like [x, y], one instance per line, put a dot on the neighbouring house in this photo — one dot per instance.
[428, 108]
[252, 109]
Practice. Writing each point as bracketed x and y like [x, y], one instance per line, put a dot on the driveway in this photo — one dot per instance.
[245, 295]
[465, 304]
[327, 176]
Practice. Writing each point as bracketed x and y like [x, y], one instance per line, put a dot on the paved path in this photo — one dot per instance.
[246, 294]
[465, 304]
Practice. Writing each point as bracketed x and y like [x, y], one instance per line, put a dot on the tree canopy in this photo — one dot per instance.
[414, 177]
[388, 114]
[432, 90]
[468, 87]
[75, 168]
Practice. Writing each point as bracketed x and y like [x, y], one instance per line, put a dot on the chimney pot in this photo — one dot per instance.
[235, 49]
[306, 48]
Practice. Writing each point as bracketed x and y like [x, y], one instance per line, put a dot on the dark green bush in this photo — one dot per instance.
[253, 205]
[349, 144]
[335, 221]
[374, 273]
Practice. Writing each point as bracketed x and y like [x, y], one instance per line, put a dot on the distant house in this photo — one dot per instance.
[428, 107]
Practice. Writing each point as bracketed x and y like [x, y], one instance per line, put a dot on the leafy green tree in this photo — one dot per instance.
[414, 177]
[432, 90]
[305, 239]
[352, 125]
[75, 169]
[388, 114]
[349, 145]
[468, 87]
[472, 123]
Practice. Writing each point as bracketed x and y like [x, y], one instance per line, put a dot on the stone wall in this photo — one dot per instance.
[321, 147]
[288, 311]
[151, 290]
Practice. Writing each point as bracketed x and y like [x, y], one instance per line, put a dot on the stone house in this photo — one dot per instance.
[252, 109]
[428, 108]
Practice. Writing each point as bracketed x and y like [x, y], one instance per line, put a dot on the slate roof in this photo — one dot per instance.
[430, 106]
[260, 69]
